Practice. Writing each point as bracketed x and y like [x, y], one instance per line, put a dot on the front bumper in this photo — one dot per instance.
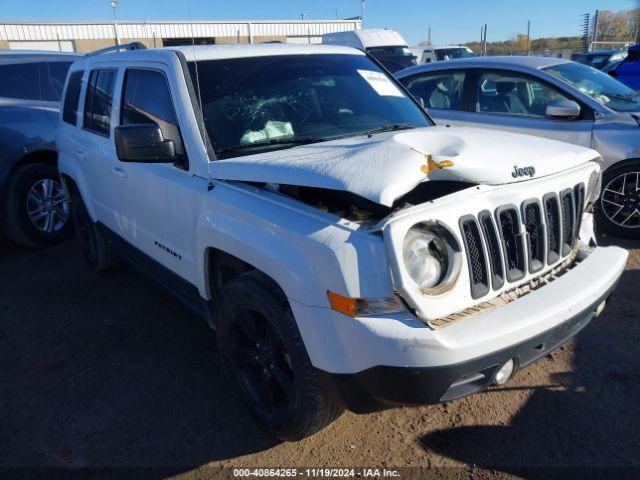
[397, 359]
[382, 387]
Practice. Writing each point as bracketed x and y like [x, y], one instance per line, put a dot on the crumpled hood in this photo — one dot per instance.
[386, 166]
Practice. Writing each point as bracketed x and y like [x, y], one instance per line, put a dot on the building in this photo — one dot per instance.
[86, 37]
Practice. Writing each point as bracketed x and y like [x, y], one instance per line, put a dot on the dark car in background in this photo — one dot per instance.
[601, 58]
[33, 207]
[628, 70]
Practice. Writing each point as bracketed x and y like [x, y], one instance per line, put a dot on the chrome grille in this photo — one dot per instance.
[524, 238]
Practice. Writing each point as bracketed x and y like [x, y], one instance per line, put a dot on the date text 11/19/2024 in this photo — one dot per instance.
[317, 472]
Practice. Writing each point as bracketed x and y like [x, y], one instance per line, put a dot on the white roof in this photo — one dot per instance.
[216, 52]
[374, 37]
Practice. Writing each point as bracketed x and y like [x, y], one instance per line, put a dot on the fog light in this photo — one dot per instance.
[505, 372]
[600, 308]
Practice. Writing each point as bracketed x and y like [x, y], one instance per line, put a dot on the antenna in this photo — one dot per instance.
[203, 133]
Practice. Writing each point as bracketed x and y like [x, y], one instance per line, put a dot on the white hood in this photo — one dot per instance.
[388, 165]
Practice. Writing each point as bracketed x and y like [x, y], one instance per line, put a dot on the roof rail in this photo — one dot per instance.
[117, 48]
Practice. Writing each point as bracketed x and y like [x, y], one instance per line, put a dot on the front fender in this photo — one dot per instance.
[306, 252]
[303, 250]
[616, 141]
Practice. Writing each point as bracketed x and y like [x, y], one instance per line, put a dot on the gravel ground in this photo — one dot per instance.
[104, 370]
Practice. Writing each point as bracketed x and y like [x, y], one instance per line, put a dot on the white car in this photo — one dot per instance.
[386, 46]
[445, 52]
[347, 252]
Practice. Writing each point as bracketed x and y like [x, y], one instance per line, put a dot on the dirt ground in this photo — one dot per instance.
[104, 370]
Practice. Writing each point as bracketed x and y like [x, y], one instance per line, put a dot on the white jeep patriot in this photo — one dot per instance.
[347, 252]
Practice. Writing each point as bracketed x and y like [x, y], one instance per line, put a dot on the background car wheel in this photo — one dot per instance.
[265, 359]
[36, 208]
[618, 208]
[94, 247]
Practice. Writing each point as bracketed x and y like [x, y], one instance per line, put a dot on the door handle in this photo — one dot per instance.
[118, 172]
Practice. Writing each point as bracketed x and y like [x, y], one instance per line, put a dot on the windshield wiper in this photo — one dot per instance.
[273, 141]
[388, 128]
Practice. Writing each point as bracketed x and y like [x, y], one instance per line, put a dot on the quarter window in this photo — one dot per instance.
[146, 100]
[514, 94]
[438, 90]
[98, 102]
[20, 80]
[71, 97]
[52, 77]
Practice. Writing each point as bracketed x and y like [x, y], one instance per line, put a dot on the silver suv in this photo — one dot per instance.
[33, 209]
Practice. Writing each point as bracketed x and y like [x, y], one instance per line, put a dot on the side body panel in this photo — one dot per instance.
[25, 127]
[616, 137]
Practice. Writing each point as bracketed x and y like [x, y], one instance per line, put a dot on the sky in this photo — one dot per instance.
[450, 21]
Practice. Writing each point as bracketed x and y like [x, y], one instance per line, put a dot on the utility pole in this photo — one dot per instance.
[595, 26]
[302, 16]
[429, 37]
[485, 40]
[114, 4]
[528, 37]
[362, 11]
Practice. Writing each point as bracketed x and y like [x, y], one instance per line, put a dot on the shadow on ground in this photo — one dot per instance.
[107, 370]
[593, 421]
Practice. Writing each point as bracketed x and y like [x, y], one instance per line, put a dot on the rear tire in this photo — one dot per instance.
[36, 208]
[265, 358]
[98, 254]
[618, 208]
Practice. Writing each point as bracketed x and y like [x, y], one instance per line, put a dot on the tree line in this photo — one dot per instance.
[621, 26]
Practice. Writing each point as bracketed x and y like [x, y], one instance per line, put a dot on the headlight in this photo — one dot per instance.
[593, 189]
[432, 257]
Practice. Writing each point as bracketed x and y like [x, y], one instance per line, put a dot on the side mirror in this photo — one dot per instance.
[563, 109]
[143, 143]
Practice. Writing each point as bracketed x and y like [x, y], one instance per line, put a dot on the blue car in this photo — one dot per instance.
[628, 70]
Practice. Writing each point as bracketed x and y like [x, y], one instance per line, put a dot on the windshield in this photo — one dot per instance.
[264, 103]
[599, 86]
[394, 58]
[451, 53]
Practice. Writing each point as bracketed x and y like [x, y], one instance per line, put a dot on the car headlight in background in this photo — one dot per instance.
[431, 257]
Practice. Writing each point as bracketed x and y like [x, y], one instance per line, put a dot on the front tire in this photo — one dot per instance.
[264, 357]
[36, 207]
[618, 208]
[98, 254]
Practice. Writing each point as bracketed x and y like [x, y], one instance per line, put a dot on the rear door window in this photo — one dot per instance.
[98, 101]
[441, 90]
[20, 80]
